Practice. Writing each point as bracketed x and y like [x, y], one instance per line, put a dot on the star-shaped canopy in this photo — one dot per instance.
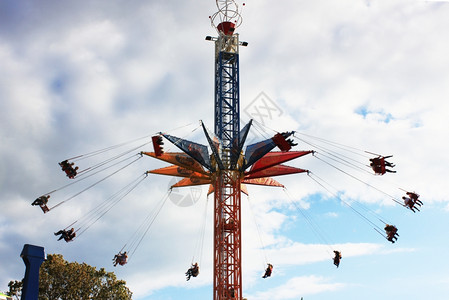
[257, 165]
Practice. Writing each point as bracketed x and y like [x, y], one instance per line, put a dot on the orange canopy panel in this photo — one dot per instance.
[275, 158]
[179, 159]
[276, 170]
[178, 171]
[263, 181]
[211, 189]
[244, 189]
[191, 182]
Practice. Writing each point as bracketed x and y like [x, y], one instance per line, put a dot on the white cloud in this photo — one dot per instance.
[297, 287]
[287, 254]
[332, 214]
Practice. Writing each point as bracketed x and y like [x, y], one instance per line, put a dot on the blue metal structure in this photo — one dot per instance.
[227, 106]
[32, 256]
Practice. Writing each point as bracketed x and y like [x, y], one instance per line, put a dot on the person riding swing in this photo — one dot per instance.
[42, 203]
[379, 164]
[67, 235]
[409, 203]
[414, 196]
[68, 168]
[193, 271]
[120, 258]
[268, 271]
[392, 233]
[337, 258]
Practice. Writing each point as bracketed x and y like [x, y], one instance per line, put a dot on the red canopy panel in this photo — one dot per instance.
[179, 159]
[275, 158]
[263, 181]
[276, 170]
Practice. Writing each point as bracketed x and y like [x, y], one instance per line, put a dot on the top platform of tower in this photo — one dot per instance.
[226, 28]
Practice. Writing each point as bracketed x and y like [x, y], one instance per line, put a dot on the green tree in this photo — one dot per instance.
[59, 279]
[15, 289]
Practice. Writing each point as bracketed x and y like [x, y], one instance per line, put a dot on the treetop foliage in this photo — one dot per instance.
[59, 279]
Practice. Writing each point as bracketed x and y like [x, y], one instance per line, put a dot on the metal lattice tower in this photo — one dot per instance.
[227, 202]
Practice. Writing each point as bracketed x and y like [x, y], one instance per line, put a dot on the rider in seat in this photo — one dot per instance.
[268, 271]
[408, 202]
[283, 142]
[337, 258]
[68, 168]
[193, 271]
[67, 235]
[42, 202]
[392, 233]
[120, 258]
[379, 164]
[414, 196]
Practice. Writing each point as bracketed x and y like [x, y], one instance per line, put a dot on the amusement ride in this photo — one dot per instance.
[226, 164]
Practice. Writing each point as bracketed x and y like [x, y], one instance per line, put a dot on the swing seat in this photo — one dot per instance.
[281, 142]
[44, 208]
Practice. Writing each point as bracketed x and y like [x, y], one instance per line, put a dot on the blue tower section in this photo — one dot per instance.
[227, 93]
[32, 256]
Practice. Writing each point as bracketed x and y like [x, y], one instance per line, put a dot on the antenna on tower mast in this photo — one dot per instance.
[227, 18]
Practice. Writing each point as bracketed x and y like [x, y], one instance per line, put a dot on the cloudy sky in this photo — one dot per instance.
[76, 77]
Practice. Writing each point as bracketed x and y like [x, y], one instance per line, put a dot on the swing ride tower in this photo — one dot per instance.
[227, 169]
[227, 180]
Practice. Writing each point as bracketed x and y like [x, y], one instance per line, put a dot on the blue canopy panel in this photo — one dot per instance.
[256, 151]
[197, 151]
[214, 145]
[237, 144]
